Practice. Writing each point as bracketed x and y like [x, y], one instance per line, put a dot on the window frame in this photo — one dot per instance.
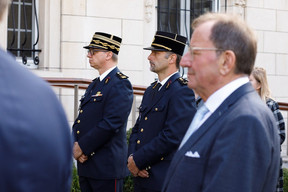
[30, 60]
[185, 19]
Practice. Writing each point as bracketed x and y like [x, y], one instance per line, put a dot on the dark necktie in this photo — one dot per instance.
[96, 81]
[156, 88]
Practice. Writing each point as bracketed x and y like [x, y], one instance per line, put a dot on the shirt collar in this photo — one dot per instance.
[217, 98]
[165, 80]
[106, 73]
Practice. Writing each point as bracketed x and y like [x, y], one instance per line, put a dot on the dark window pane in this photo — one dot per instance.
[14, 10]
[173, 15]
[10, 40]
[169, 15]
[200, 7]
[26, 44]
[20, 35]
[28, 16]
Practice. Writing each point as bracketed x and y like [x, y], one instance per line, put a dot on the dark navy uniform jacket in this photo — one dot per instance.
[160, 127]
[100, 127]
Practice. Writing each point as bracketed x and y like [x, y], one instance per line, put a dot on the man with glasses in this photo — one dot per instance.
[232, 143]
[99, 131]
[166, 111]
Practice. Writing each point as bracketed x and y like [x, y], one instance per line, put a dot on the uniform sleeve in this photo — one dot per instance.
[179, 116]
[116, 112]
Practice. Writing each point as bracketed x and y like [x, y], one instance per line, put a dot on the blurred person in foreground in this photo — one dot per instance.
[258, 79]
[166, 110]
[232, 143]
[99, 131]
[35, 138]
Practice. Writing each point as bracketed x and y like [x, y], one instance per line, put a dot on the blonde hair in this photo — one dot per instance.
[259, 74]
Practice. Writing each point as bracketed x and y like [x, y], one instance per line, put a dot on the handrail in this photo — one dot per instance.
[83, 84]
[80, 83]
[283, 106]
[64, 80]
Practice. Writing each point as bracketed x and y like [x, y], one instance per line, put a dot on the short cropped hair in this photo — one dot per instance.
[114, 57]
[178, 58]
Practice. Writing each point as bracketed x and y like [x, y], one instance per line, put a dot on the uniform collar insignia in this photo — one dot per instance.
[107, 80]
[168, 84]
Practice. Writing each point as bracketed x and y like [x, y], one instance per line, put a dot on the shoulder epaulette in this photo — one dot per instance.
[182, 81]
[121, 75]
[152, 84]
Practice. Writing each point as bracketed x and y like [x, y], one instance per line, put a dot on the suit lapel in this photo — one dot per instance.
[218, 114]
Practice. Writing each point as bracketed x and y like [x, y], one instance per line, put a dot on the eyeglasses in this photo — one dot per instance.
[192, 49]
[93, 51]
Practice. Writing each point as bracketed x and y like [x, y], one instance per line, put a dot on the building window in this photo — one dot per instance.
[23, 32]
[176, 16]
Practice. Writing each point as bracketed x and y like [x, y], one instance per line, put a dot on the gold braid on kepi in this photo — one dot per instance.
[165, 41]
[105, 41]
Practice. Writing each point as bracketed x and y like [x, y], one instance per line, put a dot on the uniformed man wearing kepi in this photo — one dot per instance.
[165, 113]
[100, 146]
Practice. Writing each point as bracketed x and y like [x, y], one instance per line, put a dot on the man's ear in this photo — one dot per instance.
[109, 55]
[227, 62]
[172, 58]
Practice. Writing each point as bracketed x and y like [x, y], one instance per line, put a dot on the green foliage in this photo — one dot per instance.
[285, 179]
[75, 187]
[128, 133]
[128, 184]
[128, 181]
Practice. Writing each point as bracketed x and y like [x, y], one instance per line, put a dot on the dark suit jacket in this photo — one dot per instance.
[160, 127]
[100, 127]
[237, 146]
[35, 138]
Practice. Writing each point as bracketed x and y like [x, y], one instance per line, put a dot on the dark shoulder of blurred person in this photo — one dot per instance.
[35, 138]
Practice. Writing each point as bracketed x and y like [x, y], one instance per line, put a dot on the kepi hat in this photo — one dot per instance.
[164, 41]
[106, 42]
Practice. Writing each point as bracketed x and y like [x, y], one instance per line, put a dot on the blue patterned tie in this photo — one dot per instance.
[201, 112]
